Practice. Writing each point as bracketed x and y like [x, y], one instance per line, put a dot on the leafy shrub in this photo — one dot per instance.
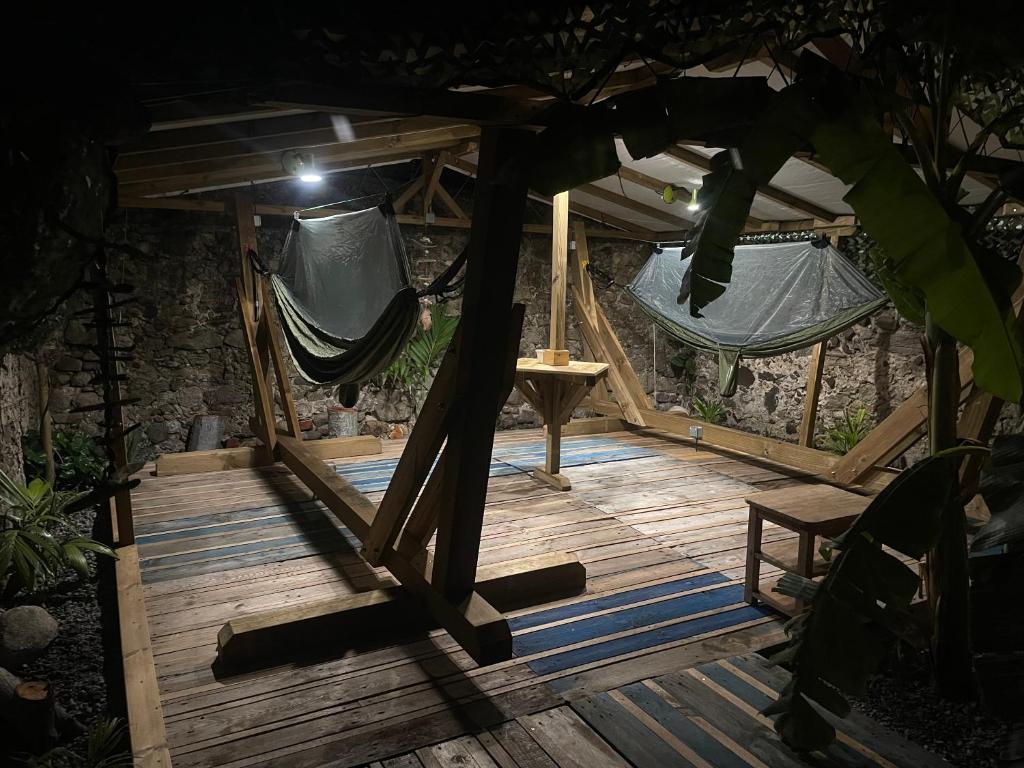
[77, 460]
[710, 411]
[848, 431]
[38, 542]
[105, 747]
[423, 354]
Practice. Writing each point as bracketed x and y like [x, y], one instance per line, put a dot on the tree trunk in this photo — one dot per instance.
[948, 581]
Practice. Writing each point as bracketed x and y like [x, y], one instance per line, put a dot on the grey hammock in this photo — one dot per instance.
[344, 297]
[782, 297]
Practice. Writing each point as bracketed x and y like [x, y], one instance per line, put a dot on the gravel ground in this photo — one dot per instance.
[77, 662]
[962, 733]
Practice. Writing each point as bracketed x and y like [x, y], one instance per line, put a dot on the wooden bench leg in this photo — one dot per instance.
[805, 561]
[753, 562]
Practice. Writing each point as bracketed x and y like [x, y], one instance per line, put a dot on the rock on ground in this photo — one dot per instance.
[25, 633]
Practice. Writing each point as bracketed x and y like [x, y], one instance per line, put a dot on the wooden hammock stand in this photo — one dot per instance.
[862, 468]
[456, 423]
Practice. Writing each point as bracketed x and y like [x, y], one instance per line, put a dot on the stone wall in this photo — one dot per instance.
[189, 358]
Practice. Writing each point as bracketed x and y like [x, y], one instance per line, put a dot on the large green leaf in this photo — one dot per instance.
[832, 648]
[925, 247]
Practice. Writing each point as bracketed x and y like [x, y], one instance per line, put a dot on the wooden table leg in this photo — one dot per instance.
[550, 472]
[753, 575]
[805, 561]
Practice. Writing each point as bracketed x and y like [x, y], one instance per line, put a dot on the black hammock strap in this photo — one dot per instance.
[449, 281]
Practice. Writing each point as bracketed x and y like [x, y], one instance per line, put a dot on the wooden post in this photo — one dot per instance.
[556, 353]
[601, 338]
[814, 371]
[244, 212]
[488, 317]
[46, 420]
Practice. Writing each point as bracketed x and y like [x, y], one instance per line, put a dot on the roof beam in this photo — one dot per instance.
[267, 166]
[776, 195]
[324, 135]
[635, 205]
[465, 166]
[477, 107]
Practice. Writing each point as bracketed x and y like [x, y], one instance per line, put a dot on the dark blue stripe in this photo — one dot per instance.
[281, 555]
[682, 727]
[840, 753]
[248, 513]
[613, 601]
[611, 648]
[327, 536]
[622, 620]
[313, 512]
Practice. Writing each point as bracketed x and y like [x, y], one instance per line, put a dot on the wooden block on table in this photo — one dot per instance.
[340, 623]
[553, 356]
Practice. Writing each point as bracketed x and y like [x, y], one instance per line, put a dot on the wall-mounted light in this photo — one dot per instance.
[301, 164]
[693, 205]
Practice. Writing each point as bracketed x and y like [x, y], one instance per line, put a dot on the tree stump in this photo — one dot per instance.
[35, 715]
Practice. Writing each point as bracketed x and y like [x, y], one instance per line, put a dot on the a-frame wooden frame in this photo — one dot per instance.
[458, 416]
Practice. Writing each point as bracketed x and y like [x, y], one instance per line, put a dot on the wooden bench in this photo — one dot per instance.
[810, 511]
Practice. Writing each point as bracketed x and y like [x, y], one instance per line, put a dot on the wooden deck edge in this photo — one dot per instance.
[142, 694]
[220, 459]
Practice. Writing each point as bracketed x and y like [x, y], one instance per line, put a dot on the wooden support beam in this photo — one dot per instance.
[403, 199]
[813, 393]
[810, 460]
[776, 195]
[436, 168]
[450, 203]
[421, 140]
[220, 459]
[284, 384]
[302, 631]
[418, 456]
[266, 423]
[897, 432]
[600, 335]
[488, 313]
[472, 621]
[556, 353]
[321, 134]
[662, 214]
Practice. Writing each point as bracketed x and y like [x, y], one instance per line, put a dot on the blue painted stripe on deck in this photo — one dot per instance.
[326, 535]
[280, 555]
[628, 618]
[673, 632]
[284, 509]
[682, 727]
[197, 528]
[840, 753]
[614, 601]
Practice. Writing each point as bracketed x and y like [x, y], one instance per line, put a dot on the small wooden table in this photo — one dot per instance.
[811, 511]
[555, 391]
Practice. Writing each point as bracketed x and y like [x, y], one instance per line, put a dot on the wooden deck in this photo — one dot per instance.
[660, 526]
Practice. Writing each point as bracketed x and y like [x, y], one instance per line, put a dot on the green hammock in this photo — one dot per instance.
[782, 297]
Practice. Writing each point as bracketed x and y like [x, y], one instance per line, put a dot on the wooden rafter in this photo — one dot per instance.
[769, 192]
[270, 162]
[324, 134]
[661, 214]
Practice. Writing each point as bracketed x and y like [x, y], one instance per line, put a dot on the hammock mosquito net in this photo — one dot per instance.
[782, 297]
[344, 297]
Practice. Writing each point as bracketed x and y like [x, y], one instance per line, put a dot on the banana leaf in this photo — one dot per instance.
[834, 646]
[924, 247]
